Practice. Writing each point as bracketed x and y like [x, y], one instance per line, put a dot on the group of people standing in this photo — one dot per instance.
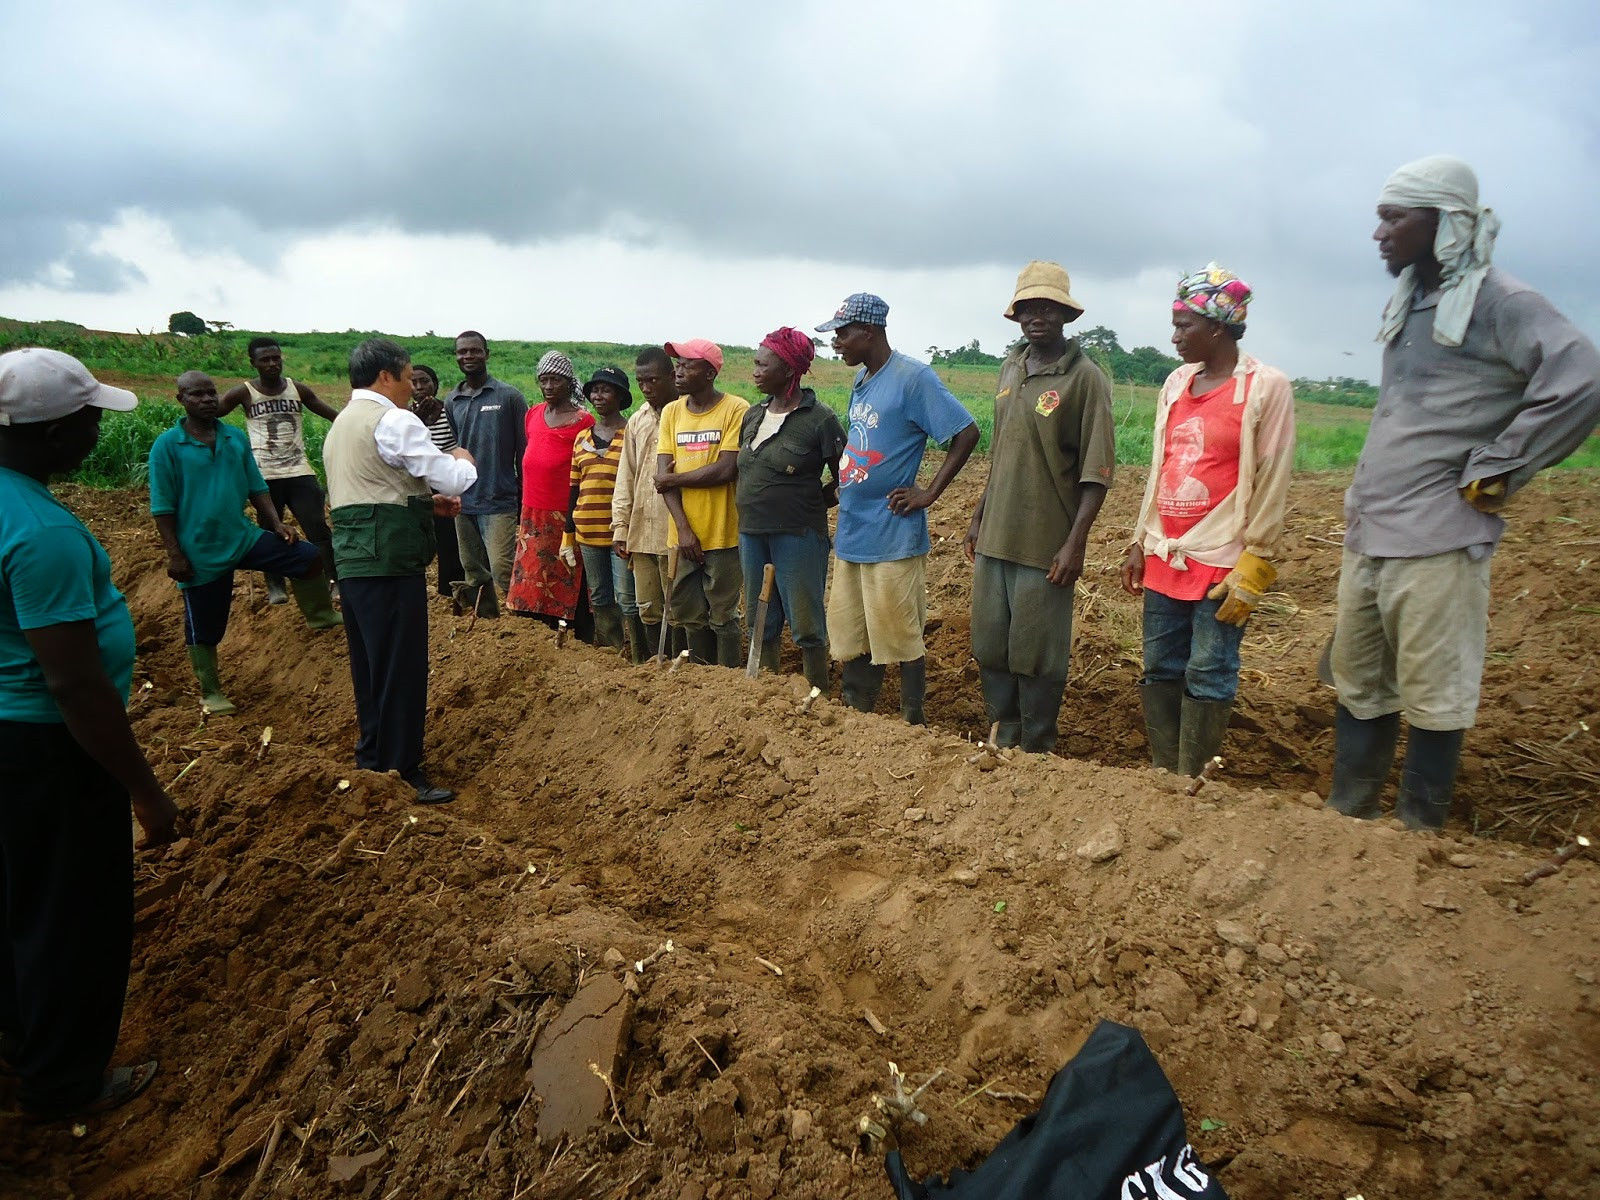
[667, 516]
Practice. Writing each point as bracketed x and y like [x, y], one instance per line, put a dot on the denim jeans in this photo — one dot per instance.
[1184, 640]
[487, 543]
[608, 579]
[801, 562]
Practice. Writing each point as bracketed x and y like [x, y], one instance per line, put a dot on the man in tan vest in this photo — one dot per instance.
[386, 482]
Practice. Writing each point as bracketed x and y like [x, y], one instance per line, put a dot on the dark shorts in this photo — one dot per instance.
[206, 607]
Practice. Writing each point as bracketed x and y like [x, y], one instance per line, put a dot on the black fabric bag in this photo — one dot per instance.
[1110, 1128]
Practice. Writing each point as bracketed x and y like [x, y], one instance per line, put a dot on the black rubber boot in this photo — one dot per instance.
[1039, 699]
[1001, 703]
[860, 682]
[1200, 732]
[1363, 752]
[814, 662]
[642, 638]
[913, 690]
[1163, 717]
[702, 646]
[730, 645]
[608, 626]
[276, 592]
[771, 659]
[1428, 779]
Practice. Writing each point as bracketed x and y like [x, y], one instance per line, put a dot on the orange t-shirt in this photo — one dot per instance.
[1199, 467]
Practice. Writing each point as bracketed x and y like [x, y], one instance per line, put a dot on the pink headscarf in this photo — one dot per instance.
[796, 351]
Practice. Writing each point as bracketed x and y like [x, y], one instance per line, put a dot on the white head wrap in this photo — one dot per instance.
[1463, 245]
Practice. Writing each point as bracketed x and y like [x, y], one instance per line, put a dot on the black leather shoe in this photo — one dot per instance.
[430, 793]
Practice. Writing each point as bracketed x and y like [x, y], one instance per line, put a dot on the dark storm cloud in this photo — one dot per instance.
[888, 135]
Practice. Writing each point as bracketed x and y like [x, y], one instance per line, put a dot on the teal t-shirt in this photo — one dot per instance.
[206, 488]
[52, 572]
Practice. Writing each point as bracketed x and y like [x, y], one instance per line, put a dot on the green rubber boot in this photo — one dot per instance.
[204, 661]
[316, 603]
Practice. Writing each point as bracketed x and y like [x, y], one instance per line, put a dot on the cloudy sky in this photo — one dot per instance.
[639, 171]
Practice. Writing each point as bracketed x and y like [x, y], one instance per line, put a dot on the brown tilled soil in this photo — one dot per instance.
[339, 984]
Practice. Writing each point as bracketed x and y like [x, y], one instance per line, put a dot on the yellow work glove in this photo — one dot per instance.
[1486, 495]
[1244, 586]
[569, 550]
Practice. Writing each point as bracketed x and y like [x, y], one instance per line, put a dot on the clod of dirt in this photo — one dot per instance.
[592, 1029]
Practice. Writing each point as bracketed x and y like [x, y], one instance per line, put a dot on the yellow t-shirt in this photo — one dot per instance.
[695, 440]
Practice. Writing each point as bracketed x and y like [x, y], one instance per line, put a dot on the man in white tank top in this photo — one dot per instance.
[272, 408]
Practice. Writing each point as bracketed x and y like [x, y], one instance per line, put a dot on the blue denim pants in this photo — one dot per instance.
[801, 562]
[608, 578]
[1184, 640]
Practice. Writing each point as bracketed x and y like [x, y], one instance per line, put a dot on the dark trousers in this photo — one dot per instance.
[66, 914]
[450, 570]
[302, 496]
[386, 626]
[207, 605]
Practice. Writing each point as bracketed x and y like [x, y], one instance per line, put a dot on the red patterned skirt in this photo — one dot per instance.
[541, 584]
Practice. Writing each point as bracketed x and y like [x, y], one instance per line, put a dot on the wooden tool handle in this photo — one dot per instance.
[672, 563]
[767, 574]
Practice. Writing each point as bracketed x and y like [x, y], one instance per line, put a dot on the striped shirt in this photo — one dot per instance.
[443, 436]
[594, 474]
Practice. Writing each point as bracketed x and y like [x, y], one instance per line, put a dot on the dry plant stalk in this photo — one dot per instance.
[1555, 862]
[1206, 773]
[616, 1111]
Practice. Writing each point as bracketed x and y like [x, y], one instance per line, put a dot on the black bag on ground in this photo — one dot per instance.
[1110, 1128]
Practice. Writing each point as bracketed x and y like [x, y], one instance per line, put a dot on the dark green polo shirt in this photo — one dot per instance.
[780, 482]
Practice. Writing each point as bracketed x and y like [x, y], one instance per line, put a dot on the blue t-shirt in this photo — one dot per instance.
[491, 424]
[892, 417]
[52, 572]
[205, 488]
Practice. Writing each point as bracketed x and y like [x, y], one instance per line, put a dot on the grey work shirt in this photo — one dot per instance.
[1520, 393]
[491, 424]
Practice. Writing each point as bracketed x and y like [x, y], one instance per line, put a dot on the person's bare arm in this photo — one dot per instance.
[92, 709]
[267, 516]
[315, 402]
[688, 542]
[233, 398]
[1068, 562]
[906, 500]
[712, 474]
[178, 565]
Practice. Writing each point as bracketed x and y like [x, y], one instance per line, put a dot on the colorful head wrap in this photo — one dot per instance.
[1462, 246]
[554, 362]
[796, 351]
[1215, 294]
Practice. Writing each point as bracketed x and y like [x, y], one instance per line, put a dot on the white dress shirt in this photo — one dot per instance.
[404, 443]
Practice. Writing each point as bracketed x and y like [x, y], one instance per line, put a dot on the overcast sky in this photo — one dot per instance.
[642, 171]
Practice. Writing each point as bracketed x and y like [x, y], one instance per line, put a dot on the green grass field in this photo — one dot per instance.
[1329, 435]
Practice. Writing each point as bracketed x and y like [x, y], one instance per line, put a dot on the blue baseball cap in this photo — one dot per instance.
[861, 308]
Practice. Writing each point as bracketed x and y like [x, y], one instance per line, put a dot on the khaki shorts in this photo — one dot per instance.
[1411, 637]
[878, 608]
[649, 585]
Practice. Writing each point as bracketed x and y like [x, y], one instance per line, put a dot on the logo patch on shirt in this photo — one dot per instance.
[1048, 403]
[699, 441]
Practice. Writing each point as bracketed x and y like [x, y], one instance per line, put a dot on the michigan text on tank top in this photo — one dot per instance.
[276, 438]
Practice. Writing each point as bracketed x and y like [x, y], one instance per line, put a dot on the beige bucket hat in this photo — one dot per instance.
[1041, 280]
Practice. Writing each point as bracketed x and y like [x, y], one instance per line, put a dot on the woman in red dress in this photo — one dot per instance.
[545, 577]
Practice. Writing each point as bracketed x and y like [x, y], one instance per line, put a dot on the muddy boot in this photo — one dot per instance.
[771, 661]
[1001, 703]
[204, 661]
[730, 645]
[316, 604]
[275, 592]
[1200, 732]
[860, 680]
[814, 662]
[1163, 708]
[480, 598]
[1363, 752]
[913, 690]
[1039, 699]
[702, 646]
[642, 638]
[1427, 781]
[608, 626]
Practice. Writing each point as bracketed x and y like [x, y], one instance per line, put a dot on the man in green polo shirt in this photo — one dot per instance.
[201, 474]
[1050, 464]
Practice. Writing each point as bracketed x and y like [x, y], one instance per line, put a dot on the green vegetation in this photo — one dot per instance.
[1331, 421]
